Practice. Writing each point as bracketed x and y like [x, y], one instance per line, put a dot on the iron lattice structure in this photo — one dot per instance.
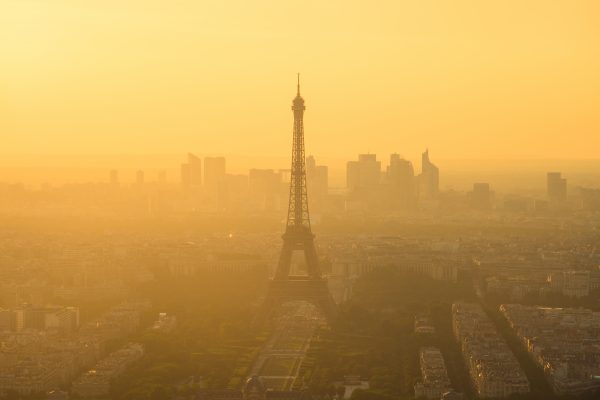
[298, 215]
[298, 235]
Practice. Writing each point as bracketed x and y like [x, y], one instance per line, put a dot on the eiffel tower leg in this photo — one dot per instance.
[312, 261]
[285, 262]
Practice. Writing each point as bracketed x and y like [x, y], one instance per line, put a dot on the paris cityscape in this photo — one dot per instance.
[285, 250]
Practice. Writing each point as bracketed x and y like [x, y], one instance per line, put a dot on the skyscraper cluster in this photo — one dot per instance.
[191, 172]
[396, 188]
[371, 185]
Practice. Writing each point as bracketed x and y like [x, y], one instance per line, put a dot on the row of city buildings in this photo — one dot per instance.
[494, 370]
[574, 284]
[62, 319]
[434, 377]
[96, 382]
[37, 361]
[563, 342]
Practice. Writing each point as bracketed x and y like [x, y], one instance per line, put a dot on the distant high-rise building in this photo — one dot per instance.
[195, 171]
[191, 172]
[481, 196]
[364, 173]
[556, 187]
[214, 179]
[317, 180]
[264, 188]
[114, 177]
[352, 175]
[214, 172]
[429, 180]
[401, 181]
[139, 177]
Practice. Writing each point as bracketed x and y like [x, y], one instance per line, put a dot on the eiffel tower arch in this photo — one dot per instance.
[298, 236]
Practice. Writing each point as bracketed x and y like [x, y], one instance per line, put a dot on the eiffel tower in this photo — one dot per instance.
[298, 235]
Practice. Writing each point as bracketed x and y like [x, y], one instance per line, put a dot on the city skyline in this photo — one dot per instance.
[433, 233]
[457, 174]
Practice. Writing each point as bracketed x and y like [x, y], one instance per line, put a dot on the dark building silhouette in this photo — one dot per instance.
[401, 182]
[264, 189]
[429, 180]
[364, 173]
[191, 172]
[481, 197]
[556, 187]
[317, 180]
[214, 173]
[214, 180]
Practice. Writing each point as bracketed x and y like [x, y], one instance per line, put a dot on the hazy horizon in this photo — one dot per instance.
[135, 267]
[457, 174]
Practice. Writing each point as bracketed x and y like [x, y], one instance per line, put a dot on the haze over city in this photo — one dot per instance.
[266, 200]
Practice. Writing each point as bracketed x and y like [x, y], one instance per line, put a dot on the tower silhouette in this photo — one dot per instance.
[298, 236]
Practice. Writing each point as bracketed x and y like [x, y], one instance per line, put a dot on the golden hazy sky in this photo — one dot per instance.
[465, 78]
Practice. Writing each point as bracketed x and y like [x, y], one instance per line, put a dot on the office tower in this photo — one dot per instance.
[195, 164]
[320, 180]
[556, 187]
[264, 189]
[114, 177]
[401, 181]
[214, 180]
[214, 173]
[370, 170]
[352, 175]
[481, 196]
[191, 172]
[310, 165]
[364, 173]
[139, 177]
[429, 180]
[298, 236]
[317, 180]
